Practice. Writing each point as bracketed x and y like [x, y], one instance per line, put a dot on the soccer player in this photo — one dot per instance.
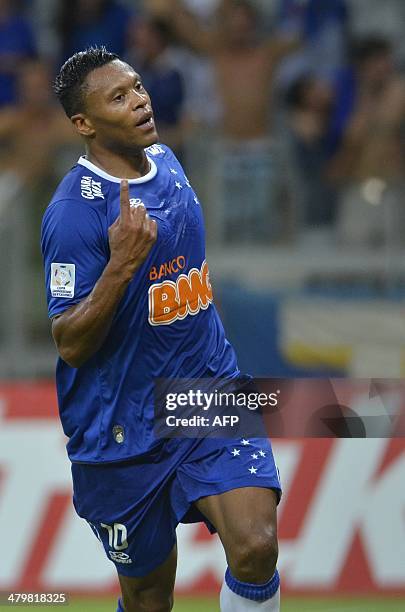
[130, 300]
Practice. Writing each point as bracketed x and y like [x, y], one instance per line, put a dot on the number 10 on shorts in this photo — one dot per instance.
[117, 536]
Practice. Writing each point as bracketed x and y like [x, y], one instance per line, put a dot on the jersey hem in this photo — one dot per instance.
[126, 459]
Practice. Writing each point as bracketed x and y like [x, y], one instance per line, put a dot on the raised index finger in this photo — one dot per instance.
[125, 206]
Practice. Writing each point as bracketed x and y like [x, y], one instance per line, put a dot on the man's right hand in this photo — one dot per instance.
[132, 234]
[82, 329]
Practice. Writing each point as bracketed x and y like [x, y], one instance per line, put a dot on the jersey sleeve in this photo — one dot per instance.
[74, 242]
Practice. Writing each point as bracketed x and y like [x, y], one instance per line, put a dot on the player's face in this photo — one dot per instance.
[118, 108]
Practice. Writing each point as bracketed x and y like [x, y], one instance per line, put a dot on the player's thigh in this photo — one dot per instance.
[153, 592]
[246, 521]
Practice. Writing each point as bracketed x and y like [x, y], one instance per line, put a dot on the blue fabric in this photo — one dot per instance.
[255, 592]
[148, 496]
[16, 40]
[346, 92]
[314, 15]
[114, 388]
[166, 89]
[321, 12]
[109, 30]
[120, 608]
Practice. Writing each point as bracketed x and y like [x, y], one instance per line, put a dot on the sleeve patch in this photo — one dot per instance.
[63, 280]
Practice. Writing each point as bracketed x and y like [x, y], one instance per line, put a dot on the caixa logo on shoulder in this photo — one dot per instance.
[119, 557]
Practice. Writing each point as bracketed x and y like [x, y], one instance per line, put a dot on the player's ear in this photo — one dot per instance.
[83, 125]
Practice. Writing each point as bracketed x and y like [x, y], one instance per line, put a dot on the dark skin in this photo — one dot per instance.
[116, 106]
[246, 521]
[115, 143]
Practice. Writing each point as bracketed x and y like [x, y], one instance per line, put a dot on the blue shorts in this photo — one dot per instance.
[134, 507]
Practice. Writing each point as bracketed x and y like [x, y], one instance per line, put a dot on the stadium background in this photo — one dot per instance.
[306, 236]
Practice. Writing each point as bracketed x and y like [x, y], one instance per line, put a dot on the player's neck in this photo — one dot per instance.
[130, 166]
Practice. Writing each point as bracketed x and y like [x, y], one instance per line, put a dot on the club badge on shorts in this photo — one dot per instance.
[63, 280]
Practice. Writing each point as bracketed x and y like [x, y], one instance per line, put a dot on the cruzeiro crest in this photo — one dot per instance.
[63, 280]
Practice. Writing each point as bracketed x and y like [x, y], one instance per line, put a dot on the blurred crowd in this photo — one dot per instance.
[287, 114]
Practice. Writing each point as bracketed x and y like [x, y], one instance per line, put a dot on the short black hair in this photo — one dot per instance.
[369, 47]
[69, 85]
[162, 29]
[297, 91]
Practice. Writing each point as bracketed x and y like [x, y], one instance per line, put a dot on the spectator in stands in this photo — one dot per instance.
[33, 136]
[83, 23]
[244, 68]
[151, 54]
[17, 44]
[370, 160]
[309, 102]
[32, 132]
[325, 24]
[33, 128]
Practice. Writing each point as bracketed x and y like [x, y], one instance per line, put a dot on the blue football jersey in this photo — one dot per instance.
[165, 326]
